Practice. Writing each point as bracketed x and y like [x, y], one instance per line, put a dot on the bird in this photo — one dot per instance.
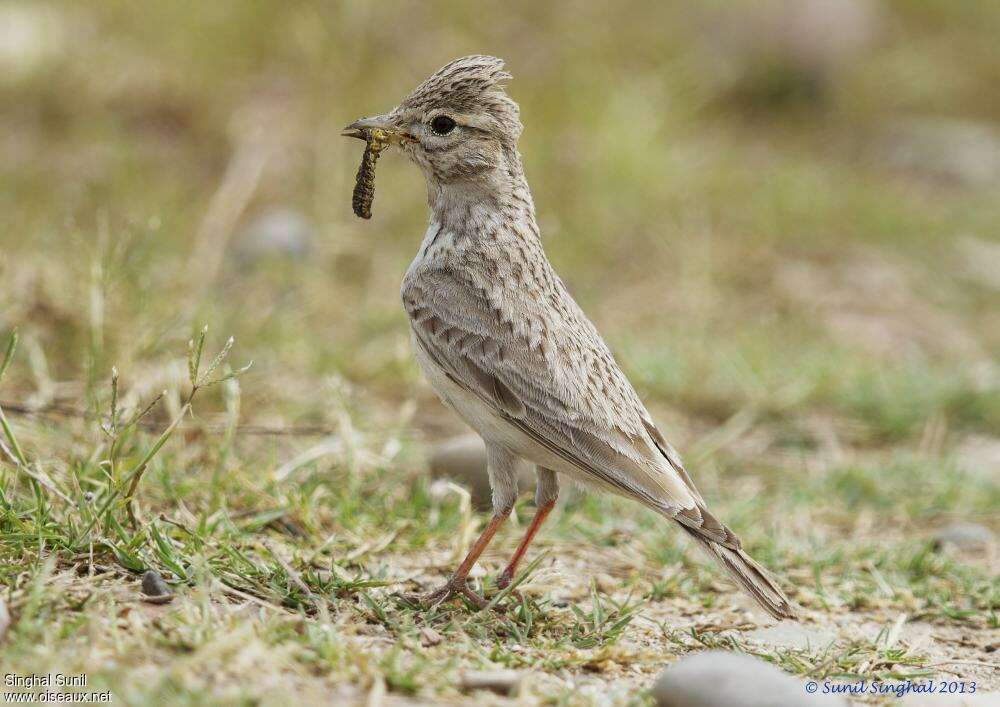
[504, 344]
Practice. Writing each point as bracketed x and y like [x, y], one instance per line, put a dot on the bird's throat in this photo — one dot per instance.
[493, 204]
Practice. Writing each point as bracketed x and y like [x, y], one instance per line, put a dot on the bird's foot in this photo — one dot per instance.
[450, 589]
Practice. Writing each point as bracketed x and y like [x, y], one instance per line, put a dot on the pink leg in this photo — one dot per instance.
[507, 576]
[456, 584]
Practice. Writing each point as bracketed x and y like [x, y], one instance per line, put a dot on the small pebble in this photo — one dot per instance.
[429, 637]
[502, 682]
[155, 589]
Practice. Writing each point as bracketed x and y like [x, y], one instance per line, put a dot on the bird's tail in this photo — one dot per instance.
[749, 575]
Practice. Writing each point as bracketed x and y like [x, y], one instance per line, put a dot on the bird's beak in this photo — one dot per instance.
[392, 134]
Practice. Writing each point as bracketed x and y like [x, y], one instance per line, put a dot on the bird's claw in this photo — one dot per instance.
[439, 596]
[452, 589]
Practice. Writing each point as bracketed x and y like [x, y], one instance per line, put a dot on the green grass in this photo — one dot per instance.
[799, 313]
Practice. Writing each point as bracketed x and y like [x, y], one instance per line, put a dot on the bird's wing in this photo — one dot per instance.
[554, 379]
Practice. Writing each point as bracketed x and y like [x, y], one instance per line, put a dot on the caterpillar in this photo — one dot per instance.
[364, 186]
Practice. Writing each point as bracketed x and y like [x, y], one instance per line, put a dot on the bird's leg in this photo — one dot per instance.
[456, 584]
[507, 576]
[546, 493]
[503, 481]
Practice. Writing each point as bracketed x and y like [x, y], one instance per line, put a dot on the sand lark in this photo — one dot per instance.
[505, 345]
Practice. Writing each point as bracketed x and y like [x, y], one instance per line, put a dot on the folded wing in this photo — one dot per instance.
[553, 378]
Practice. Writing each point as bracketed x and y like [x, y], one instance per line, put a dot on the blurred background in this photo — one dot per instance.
[783, 215]
[785, 206]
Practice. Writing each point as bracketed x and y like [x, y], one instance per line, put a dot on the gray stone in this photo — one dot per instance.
[154, 589]
[153, 584]
[964, 536]
[722, 679]
[502, 682]
[279, 233]
[789, 634]
[462, 459]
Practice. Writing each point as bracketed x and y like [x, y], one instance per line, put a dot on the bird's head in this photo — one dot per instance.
[459, 126]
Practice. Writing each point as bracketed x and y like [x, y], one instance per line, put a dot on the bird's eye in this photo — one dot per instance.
[442, 125]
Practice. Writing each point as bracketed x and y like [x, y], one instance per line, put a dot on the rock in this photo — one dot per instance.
[964, 536]
[155, 589]
[722, 678]
[502, 682]
[463, 460]
[792, 635]
[279, 233]
[429, 637]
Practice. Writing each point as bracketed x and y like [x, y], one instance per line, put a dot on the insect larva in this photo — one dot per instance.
[364, 187]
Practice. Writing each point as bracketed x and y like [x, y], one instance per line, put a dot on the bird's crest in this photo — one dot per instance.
[470, 84]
